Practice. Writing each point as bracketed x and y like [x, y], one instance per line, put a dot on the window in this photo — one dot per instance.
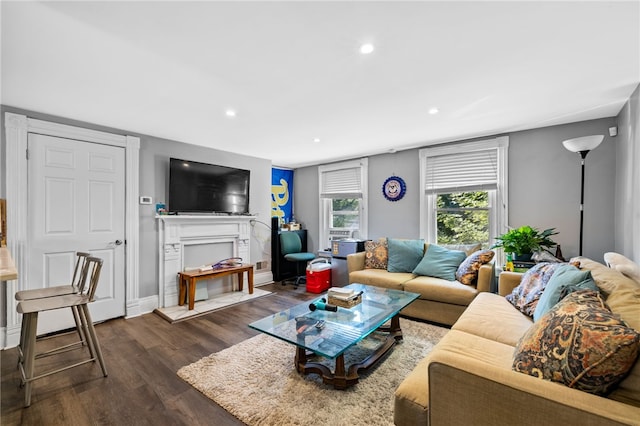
[464, 194]
[343, 200]
[345, 213]
[463, 217]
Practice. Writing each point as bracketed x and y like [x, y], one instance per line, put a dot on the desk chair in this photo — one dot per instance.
[291, 249]
[30, 310]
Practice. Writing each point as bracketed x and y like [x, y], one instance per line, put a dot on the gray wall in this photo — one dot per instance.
[154, 173]
[544, 189]
[627, 210]
[154, 169]
[399, 219]
[544, 186]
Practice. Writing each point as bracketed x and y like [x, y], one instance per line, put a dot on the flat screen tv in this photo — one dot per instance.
[207, 188]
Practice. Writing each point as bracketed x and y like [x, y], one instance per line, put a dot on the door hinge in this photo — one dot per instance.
[27, 151]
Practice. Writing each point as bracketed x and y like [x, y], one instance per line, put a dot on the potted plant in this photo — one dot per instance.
[524, 241]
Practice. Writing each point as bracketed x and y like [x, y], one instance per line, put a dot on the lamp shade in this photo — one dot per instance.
[585, 143]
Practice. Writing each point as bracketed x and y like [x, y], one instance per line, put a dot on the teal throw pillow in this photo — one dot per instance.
[404, 255]
[440, 262]
[566, 279]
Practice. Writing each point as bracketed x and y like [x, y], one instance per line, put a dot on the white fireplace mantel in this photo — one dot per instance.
[177, 231]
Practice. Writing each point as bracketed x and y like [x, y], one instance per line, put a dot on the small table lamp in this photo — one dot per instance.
[582, 146]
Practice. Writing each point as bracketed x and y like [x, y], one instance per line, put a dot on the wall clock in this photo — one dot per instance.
[394, 188]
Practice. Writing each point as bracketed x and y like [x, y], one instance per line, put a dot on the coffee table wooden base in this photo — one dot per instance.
[342, 377]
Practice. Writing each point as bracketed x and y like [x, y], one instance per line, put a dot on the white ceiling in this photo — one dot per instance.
[293, 72]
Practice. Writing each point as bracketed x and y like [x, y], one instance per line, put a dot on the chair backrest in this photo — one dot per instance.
[290, 243]
[91, 271]
[78, 280]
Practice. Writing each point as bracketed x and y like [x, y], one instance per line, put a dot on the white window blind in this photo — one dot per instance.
[462, 172]
[341, 183]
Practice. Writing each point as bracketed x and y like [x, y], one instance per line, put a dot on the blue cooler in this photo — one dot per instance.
[318, 275]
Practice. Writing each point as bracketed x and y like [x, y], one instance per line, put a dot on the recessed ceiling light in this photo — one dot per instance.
[433, 110]
[366, 48]
[230, 113]
[316, 140]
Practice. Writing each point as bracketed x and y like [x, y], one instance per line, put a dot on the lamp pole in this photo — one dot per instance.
[582, 146]
[583, 154]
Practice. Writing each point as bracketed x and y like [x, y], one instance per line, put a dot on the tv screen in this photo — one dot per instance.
[207, 188]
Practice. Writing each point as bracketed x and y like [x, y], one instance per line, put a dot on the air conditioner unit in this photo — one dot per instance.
[338, 234]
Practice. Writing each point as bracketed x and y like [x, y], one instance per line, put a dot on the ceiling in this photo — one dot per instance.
[292, 70]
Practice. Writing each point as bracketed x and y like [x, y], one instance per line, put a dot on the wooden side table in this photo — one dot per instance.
[189, 280]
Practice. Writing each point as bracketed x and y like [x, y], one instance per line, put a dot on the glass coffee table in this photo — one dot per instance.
[340, 331]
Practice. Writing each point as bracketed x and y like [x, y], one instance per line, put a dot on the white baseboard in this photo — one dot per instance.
[10, 337]
[142, 306]
[262, 278]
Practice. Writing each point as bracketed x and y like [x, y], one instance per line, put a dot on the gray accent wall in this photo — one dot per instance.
[544, 189]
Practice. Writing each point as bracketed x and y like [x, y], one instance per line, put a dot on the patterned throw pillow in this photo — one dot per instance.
[376, 254]
[525, 296]
[467, 272]
[579, 343]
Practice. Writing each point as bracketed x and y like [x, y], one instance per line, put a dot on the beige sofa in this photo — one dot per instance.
[467, 378]
[440, 300]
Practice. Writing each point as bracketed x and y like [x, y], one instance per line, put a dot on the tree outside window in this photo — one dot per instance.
[345, 213]
[463, 218]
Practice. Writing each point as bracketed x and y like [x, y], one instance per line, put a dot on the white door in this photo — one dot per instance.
[76, 202]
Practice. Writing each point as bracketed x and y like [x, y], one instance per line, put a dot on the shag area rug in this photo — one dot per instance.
[256, 381]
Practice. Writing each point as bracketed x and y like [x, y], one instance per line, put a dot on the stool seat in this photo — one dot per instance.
[59, 290]
[51, 303]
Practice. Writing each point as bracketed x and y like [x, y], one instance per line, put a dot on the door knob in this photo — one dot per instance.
[118, 242]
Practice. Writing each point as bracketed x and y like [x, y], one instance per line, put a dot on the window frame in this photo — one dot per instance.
[326, 206]
[498, 197]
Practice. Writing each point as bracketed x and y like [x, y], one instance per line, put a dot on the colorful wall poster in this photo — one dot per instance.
[282, 194]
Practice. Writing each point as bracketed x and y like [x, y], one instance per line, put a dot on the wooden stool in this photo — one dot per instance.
[189, 279]
[30, 310]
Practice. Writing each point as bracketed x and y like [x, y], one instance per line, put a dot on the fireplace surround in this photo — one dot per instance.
[180, 231]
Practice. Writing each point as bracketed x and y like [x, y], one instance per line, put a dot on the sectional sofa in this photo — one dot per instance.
[468, 378]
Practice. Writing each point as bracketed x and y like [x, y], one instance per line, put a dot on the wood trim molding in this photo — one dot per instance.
[132, 288]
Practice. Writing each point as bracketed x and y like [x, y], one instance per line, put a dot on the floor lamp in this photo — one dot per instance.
[582, 146]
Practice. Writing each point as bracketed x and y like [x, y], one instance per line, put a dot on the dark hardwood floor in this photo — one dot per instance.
[142, 356]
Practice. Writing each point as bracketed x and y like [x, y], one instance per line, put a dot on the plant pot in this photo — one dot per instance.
[525, 257]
